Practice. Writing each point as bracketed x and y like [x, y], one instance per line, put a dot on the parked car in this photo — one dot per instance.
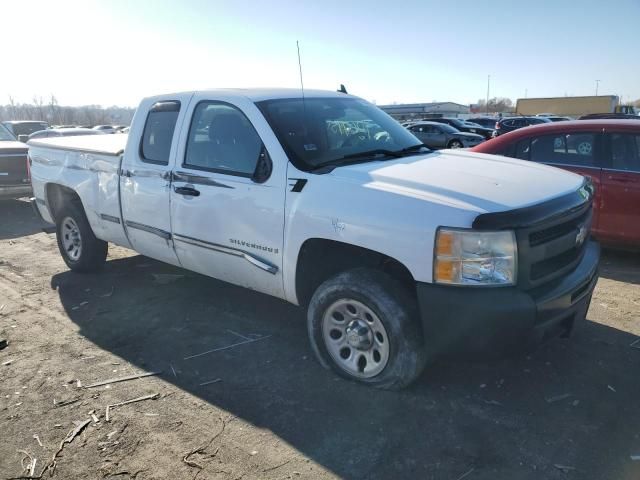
[486, 122]
[64, 132]
[509, 124]
[440, 135]
[606, 151]
[14, 170]
[105, 128]
[609, 116]
[555, 118]
[398, 253]
[464, 126]
[21, 129]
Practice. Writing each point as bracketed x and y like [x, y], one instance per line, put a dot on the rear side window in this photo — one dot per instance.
[158, 132]
[625, 152]
[567, 149]
[221, 139]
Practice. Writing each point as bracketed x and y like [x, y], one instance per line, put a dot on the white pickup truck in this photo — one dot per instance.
[399, 253]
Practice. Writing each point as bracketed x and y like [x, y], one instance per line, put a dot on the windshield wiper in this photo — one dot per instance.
[413, 148]
[359, 157]
[370, 153]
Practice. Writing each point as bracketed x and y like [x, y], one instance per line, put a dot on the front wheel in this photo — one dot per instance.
[79, 247]
[363, 325]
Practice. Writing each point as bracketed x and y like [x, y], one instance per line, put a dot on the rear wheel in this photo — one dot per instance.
[364, 326]
[455, 144]
[79, 247]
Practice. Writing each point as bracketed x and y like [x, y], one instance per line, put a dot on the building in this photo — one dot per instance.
[407, 111]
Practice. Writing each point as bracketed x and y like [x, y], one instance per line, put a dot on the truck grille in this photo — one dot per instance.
[549, 250]
[13, 168]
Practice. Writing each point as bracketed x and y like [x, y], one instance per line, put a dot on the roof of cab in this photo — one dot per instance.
[260, 94]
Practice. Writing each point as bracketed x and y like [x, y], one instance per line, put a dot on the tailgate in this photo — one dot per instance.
[13, 167]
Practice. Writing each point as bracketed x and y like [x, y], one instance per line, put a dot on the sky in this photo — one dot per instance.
[115, 52]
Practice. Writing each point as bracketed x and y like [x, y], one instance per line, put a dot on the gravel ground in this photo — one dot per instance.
[570, 410]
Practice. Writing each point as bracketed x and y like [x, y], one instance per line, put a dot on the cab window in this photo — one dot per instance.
[158, 132]
[221, 139]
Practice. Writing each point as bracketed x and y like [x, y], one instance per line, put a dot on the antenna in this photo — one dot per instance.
[300, 68]
[304, 105]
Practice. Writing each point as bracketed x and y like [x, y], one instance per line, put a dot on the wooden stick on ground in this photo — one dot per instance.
[122, 379]
[139, 399]
[227, 347]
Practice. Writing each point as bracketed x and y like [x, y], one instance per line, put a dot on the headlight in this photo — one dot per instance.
[469, 257]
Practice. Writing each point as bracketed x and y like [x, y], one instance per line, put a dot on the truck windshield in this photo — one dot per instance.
[5, 135]
[322, 131]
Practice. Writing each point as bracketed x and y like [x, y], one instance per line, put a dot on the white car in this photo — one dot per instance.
[106, 128]
[398, 253]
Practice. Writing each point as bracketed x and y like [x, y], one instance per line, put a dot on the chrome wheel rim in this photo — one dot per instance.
[71, 239]
[456, 145]
[355, 338]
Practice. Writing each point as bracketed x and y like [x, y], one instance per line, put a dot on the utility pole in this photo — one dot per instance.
[526, 90]
[488, 85]
[597, 84]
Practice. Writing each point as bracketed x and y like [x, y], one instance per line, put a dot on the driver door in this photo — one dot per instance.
[228, 223]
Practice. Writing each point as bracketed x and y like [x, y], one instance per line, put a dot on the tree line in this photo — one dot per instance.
[51, 112]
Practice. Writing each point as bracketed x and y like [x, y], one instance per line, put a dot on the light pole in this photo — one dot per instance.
[597, 84]
[488, 85]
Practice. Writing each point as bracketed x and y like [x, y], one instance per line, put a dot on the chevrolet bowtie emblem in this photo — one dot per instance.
[582, 235]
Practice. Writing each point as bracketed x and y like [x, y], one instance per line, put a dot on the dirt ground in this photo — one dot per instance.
[571, 410]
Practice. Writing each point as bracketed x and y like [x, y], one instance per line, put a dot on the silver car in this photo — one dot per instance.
[439, 135]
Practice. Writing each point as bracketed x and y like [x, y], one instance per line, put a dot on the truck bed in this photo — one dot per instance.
[88, 165]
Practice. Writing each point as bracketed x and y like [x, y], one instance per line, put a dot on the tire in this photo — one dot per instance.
[79, 247]
[455, 144]
[377, 315]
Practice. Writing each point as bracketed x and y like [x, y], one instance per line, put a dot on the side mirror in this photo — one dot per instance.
[23, 138]
[264, 167]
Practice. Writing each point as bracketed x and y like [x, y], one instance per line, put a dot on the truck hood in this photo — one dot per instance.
[471, 181]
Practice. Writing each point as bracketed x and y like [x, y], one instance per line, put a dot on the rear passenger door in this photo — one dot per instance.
[620, 211]
[145, 178]
[228, 221]
[579, 152]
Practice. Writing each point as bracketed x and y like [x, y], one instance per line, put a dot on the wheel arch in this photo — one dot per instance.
[319, 259]
[57, 195]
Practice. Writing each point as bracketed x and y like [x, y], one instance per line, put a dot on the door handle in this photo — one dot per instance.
[187, 191]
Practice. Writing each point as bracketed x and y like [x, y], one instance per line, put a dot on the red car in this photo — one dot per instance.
[607, 151]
